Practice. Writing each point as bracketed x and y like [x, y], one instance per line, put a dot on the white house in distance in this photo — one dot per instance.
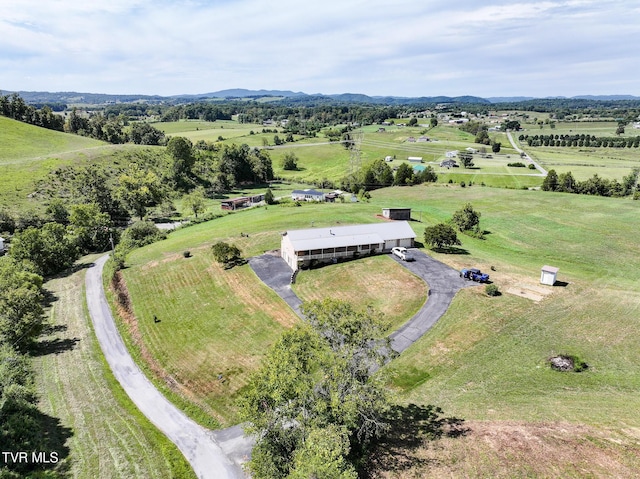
[307, 195]
[300, 247]
[548, 275]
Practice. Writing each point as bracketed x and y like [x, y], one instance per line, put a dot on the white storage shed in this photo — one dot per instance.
[549, 275]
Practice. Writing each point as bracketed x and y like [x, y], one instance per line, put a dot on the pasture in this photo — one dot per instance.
[109, 437]
[584, 162]
[590, 239]
[23, 162]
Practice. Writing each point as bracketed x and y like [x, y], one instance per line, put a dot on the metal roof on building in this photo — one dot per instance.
[336, 236]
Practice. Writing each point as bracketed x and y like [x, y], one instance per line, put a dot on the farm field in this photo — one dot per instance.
[108, 436]
[584, 162]
[486, 359]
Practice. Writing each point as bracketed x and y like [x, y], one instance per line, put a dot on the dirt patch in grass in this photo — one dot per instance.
[514, 450]
[529, 291]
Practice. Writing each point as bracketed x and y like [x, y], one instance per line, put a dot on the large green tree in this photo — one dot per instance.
[317, 386]
[21, 313]
[440, 235]
[139, 189]
[466, 219]
[49, 249]
[182, 159]
[404, 175]
[91, 227]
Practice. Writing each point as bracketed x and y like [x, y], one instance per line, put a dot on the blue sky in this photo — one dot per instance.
[376, 47]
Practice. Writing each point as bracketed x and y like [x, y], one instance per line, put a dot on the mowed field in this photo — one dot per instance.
[584, 162]
[486, 360]
[108, 436]
[320, 159]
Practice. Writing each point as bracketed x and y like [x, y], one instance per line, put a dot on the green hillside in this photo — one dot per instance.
[28, 153]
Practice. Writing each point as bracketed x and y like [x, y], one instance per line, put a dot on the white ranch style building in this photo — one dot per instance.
[300, 247]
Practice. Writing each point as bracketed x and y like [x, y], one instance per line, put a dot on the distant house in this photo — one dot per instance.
[236, 203]
[415, 159]
[548, 275]
[448, 164]
[411, 139]
[307, 195]
[472, 150]
[451, 154]
[423, 139]
[397, 213]
[388, 158]
[301, 247]
[382, 130]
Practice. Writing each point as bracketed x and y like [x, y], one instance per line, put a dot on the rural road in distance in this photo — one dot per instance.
[204, 453]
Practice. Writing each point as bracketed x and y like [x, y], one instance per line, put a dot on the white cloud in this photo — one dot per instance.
[376, 47]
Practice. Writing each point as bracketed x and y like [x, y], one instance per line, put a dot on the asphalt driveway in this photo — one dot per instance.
[212, 455]
[444, 282]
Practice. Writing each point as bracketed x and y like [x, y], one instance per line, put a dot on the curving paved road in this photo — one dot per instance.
[209, 458]
[219, 454]
[444, 282]
[542, 171]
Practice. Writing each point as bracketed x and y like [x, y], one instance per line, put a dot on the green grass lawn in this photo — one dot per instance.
[591, 240]
[109, 438]
[391, 289]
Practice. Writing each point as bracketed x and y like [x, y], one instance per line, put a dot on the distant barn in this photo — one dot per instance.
[397, 213]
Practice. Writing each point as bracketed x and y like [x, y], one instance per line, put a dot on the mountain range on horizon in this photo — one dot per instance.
[242, 93]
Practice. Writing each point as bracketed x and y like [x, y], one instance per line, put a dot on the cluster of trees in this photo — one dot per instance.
[581, 140]
[565, 182]
[316, 405]
[13, 106]
[21, 423]
[444, 235]
[378, 174]
[112, 129]
[481, 132]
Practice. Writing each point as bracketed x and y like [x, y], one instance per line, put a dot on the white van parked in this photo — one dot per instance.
[402, 253]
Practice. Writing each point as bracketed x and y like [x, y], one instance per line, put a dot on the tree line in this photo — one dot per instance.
[566, 183]
[581, 140]
[13, 106]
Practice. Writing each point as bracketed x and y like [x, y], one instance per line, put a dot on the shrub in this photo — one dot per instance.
[492, 290]
[186, 254]
[142, 233]
[227, 254]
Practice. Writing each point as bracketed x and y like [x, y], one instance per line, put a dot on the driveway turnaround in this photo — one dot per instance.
[208, 458]
[444, 282]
